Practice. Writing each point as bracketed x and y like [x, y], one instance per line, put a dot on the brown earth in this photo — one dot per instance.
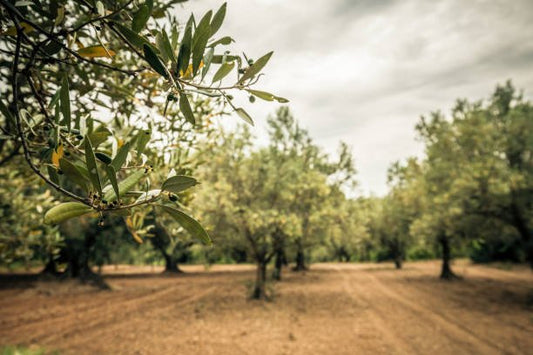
[332, 309]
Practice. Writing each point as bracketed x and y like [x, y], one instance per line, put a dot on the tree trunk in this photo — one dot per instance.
[398, 262]
[160, 241]
[260, 281]
[171, 266]
[77, 257]
[50, 269]
[521, 226]
[300, 258]
[278, 264]
[446, 272]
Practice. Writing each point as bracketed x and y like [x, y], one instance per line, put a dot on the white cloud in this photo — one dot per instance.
[364, 71]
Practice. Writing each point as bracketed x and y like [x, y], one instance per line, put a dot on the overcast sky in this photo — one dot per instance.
[364, 71]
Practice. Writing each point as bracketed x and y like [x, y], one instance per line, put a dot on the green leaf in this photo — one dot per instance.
[112, 175]
[140, 18]
[185, 108]
[52, 47]
[178, 183]
[185, 51]
[163, 44]
[244, 115]
[72, 173]
[262, 94]
[64, 211]
[90, 161]
[104, 158]
[199, 41]
[224, 41]
[207, 62]
[219, 59]
[99, 135]
[218, 19]
[142, 139]
[55, 98]
[255, 68]
[52, 173]
[223, 71]
[64, 97]
[131, 36]
[121, 157]
[188, 223]
[281, 100]
[154, 61]
[124, 186]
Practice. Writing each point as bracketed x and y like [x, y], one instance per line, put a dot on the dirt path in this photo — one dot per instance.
[333, 309]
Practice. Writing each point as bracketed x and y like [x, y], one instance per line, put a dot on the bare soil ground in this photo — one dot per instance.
[331, 309]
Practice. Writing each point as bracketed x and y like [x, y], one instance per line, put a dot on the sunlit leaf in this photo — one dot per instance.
[244, 115]
[255, 68]
[223, 71]
[95, 52]
[178, 183]
[262, 94]
[57, 154]
[12, 31]
[64, 211]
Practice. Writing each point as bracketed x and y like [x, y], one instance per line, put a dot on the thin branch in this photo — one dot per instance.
[27, 155]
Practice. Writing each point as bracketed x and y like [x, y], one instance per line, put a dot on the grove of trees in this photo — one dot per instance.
[110, 142]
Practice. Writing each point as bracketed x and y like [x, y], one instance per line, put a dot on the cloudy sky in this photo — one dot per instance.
[363, 71]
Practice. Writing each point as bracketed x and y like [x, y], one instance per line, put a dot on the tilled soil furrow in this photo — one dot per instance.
[395, 342]
[70, 322]
[128, 321]
[456, 331]
[455, 314]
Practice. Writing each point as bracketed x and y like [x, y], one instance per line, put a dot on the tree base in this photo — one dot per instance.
[398, 264]
[449, 276]
[176, 271]
[299, 268]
